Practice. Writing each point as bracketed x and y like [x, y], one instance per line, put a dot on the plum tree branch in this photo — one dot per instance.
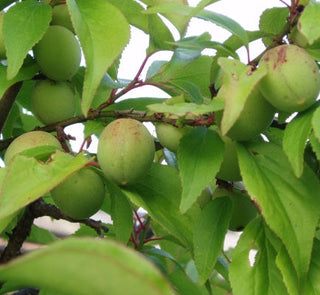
[137, 115]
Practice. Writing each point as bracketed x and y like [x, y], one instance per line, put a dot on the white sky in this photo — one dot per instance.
[245, 12]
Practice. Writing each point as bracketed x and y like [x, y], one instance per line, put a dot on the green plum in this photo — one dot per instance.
[256, 116]
[169, 135]
[29, 140]
[61, 17]
[243, 210]
[58, 53]
[292, 83]
[53, 101]
[81, 195]
[125, 151]
[229, 169]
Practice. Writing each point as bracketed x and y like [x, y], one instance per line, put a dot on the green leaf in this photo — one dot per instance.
[308, 24]
[288, 272]
[272, 21]
[238, 82]
[95, 266]
[133, 12]
[283, 198]
[184, 285]
[41, 236]
[295, 138]
[227, 23]
[208, 244]
[137, 104]
[261, 276]
[159, 193]
[184, 108]
[101, 41]
[159, 34]
[176, 11]
[24, 25]
[26, 179]
[121, 213]
[26, 72]
[175, 68]
[316, 123]
[198, 162]
[312, 286]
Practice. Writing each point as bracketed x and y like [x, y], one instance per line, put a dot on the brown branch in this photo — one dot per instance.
[41, 208]
[7, 102]
[18, 236]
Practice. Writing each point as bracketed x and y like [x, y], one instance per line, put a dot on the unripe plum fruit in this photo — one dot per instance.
[169, 136]
[81, 195]
[58, 53]
[53, 101]
[61, 17]
[30, 140]
[243, 210]
[125, 151]
[3, 54]
[292, 83]
[229, 169]
[256, 116]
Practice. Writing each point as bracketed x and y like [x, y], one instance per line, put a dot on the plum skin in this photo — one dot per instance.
[58, 53]
[292, 83]
[30, 140]
[125, 151]
[229, 169]
[53, 101]
[169, 136]
[81, 195]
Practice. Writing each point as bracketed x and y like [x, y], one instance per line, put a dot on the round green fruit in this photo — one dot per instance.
[229, 169]
[53, 101]
[243, 210]
[169, 136]
[292, 83]
[29, 140]
[81, 195]
[58, 53]
[3, 54]
[61, 17]
[256, 116]
[125, 151]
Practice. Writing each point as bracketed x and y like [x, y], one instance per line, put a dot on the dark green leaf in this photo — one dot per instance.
[295, 138]
[121, 213]
[208, 244]
[260, 276]
[198, 171]
[283, 198]
[160, 193]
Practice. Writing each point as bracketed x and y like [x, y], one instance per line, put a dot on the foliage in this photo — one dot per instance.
[176, 246]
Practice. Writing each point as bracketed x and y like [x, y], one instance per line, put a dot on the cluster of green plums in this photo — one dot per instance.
[125, 153]
[58, 55]
[291, 84]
